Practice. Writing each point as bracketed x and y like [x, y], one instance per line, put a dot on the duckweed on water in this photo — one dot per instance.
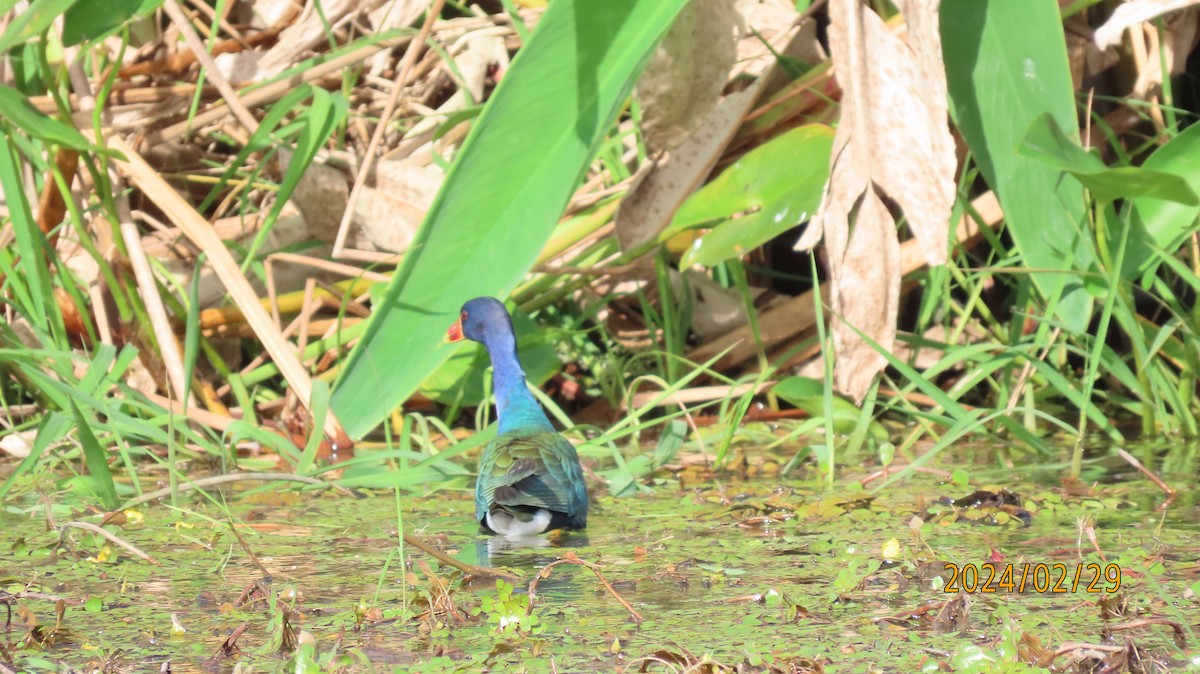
[781, 576]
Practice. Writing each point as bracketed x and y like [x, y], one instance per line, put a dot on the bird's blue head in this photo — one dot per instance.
[480, 318]
[485, 320]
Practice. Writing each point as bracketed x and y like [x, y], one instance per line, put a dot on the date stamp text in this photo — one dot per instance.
[1027, 577]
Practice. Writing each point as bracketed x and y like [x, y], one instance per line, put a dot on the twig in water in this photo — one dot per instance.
[228, 647]
[1171, 493]
[7, 598]
[485, 571]
[572, 558]
[88, 526]
[245, 546]
[1096, 651]
[233, 477]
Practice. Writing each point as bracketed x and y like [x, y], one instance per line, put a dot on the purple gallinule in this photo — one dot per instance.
[530, 480]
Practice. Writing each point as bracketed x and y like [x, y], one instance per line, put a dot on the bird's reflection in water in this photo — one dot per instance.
[531, 554]
[526, 551]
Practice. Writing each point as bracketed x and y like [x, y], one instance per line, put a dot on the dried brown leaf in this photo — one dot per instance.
[387, 215]
[686, 120]
[1178, 37]
[665, 182]
[866, 296]
[893, 140]
[1134, 12]
[686, 74]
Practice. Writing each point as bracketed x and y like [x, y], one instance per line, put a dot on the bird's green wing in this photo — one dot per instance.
[539, 470]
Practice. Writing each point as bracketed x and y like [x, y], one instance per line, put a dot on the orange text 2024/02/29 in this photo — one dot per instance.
[1030, 577]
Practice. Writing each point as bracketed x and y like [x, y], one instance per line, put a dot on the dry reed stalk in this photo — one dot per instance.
[184, 59]
[222, 21]
[329, 266]
[699, 394]
[168, 346]
[184, 216]
[338, 300]
[127, 94]
[370, 256]
[319, 328]
[211, 419]
[273, 91]
[288, 303]
[310, 284]
[188, 31]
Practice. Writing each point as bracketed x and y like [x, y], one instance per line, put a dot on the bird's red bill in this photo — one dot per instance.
[454, 333]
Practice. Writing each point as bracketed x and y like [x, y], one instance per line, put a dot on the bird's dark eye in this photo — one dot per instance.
[462, 316]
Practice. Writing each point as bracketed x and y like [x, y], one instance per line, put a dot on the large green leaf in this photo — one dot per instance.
[1168, 223]
[518, 167]
[773, 187]
[32, 21]
[1047, 142]
[90, 20]
[1006, 65]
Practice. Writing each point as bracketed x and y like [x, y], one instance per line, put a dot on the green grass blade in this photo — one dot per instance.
[320, 406]
[52, 429]
[97, 461]
[32, 270]
[1047, 142]
[32, 21]
[17, 109]
[323, 115]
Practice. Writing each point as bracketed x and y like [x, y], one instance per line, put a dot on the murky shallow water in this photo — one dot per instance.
[778, 575]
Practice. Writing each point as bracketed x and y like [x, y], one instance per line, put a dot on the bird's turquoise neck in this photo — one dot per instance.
[516, 407]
